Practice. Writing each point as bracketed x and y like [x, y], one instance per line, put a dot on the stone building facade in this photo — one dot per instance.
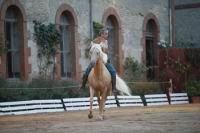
[186, 23]
[135, 27]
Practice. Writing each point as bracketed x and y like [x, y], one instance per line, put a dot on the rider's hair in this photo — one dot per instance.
[103, 30]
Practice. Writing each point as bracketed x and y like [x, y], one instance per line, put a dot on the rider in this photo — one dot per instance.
[102, 40]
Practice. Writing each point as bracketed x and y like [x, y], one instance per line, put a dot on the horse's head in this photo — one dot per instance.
[95, 52]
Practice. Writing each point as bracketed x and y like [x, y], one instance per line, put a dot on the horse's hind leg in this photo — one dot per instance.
[99, 99]
[90, 115]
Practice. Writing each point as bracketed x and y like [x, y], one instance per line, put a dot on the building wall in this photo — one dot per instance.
[187, 20]
[45, 11]
[178, 2]
[131, 14]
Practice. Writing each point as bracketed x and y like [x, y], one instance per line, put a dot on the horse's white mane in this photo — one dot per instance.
[98, 47]
[95, 46]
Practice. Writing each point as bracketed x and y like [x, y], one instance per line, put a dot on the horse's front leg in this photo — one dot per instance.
[102, 104]
[90, 115]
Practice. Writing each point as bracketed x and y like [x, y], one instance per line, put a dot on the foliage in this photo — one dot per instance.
[133, 69]
[2, 82]
[96, 28]
[178, 65]
[193, 57]
[193, 88]
[142, 88]
[87, 49]
[40, 89]
[19, 94]
[47, 38]
[3, 50]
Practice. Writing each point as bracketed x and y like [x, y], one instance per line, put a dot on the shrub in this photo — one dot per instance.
[134, 71]
[193, 88]
[40, 89]
[2, 82]
[142, 88]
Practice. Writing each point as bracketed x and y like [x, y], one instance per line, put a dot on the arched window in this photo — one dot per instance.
[14, 62]
[65, 48]
[150, 49]
[111, 20]
[67, 65]
[13, 42]
[112, 41]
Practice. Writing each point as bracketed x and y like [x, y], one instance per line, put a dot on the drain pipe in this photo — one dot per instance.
[170, 21]
[90, 19]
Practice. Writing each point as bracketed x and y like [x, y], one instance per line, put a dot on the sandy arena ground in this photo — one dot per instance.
[162, 119]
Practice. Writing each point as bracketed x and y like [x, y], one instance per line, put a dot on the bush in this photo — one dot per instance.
[143, 88]
[40, 89]
[193, 57]
[2, 82]
[97, 27]
[193, 88]
[134, 71]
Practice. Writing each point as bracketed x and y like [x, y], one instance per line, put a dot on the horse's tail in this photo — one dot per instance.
[122, 87]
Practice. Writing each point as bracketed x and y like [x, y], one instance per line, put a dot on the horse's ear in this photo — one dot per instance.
[91, 43]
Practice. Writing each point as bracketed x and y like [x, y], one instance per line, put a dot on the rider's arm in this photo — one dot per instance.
[97, 40]
[105, 47]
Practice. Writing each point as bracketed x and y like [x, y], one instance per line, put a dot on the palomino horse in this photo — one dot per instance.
[100, 80]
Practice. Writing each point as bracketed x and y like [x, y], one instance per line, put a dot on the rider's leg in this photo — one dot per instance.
[85, 75]
[112, 71]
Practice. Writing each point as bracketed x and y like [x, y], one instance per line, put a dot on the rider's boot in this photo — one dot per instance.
[113, 81]
[115, 92]
[85, 77]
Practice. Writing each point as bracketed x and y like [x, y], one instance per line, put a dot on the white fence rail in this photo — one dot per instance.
[72, 104]
[84, 103]
[69, 104]
[179, 98]
[29, 107]
[156, 99]
[130, 101]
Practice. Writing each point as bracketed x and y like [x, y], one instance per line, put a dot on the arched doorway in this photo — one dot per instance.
[67, 66]
[13, 38]
[150, 38]
[112, 21]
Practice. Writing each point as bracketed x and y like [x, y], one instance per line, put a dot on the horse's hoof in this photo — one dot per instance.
[90, 116]
[101, 118]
